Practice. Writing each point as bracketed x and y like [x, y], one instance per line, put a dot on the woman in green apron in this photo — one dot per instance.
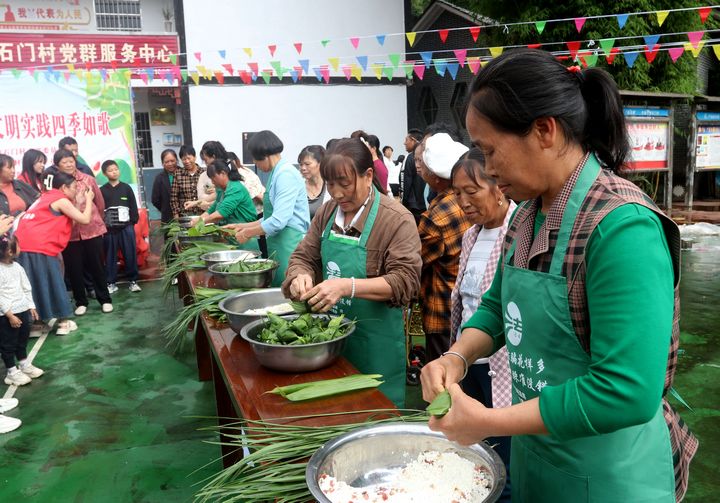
[588, 316]
[232, 204]
[361, 258]
[286, 216]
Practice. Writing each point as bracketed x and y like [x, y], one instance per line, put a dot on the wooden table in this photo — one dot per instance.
[241, 383]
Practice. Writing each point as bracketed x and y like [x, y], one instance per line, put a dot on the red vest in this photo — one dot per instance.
[41, 229]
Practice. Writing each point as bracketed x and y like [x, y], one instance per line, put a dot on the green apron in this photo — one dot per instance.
[281, 245]
[629, 465]
[377, 345]
[251, 244]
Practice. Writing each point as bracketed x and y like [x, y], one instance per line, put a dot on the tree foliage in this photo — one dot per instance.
[662, 75]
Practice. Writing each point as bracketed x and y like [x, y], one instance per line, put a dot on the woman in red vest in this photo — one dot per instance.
[43, 233]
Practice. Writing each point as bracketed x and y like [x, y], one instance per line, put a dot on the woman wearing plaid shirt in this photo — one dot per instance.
[184, 187]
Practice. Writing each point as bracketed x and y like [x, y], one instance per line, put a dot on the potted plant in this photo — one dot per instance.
[167, 13]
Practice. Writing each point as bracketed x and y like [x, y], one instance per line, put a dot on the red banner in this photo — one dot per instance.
[86, 51]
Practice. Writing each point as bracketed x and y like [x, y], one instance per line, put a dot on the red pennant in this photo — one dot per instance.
[114, 64]
[474, 31]
[299, 70]
[228, 68]
[198, 56]
[650, 54]
[704, 13]
[254, 68]
[272, 49]
[573, 47]
[534, 46]
[443, 35]
[245, 76]
[298, 47]
[613, 52]
[88, 66]
[220, 77]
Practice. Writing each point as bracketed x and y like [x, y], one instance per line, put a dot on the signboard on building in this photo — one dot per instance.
[47, 15]
[707, 149]
[649, 135]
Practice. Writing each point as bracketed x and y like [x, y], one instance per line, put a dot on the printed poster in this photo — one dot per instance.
[707, 150]
[649, 146]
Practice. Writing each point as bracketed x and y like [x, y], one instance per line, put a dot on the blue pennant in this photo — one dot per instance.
[427, 58]
[622, 19]
[651, 40]
[222, 53]
[380, 39]
[305, 63]
[440, 67]
[453, 69]
[294, 75]
[363, 62]
[318, 74]
[630, 58]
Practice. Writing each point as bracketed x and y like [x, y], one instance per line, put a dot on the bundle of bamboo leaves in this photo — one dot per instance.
[189, 258]
[274, 471]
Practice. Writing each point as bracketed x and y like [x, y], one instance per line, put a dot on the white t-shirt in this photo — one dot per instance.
[470, 293]
[393, 171]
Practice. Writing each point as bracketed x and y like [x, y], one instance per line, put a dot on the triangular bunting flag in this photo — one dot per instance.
[67, 76]
[407, 68]
[228, 68]
[388, 72]
[173, 59]
[695, 50]
[474, 64]
[318, 74]
[357, 72]
[427, 58]
[573, 47]
[184, 74]
[606, 44]
[540, 26]
[453, 69]
[198, 56]
[254, 68]
[496, 51]
[177, 74]
[394, 60]
[144, 78]
[704, 13]
[460, 55]
[248, 51]
[220, 77]
[676, 52]
[71, 67]
[294, 75]
[622, 19]
[79, 74]
[266, 75]
[347, 70]
[222, 53]
[325, 72]
[610, 58]
[694, 37]
[150, 73]
[363, 61]
[299, 70]
[114, 64]
[245, 77]
[305, 63]
[440, 66]
[202, 70]
[272, 49]
[590, 59]
[325, 42]
[716, 49]
[377, 69]
[195, 76]
[662, 16]
[630, 58]
[443, 35]
[277, 66]
[298, 47]
[651, 40]
[335, 63]
[419, 70]
[534, 46]
[474, 32]
[410, 37]
[651, 53]
[579, 23]
[380, 39]
[355, 41]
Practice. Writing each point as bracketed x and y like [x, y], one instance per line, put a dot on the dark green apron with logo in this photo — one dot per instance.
[629, 465]
[281, 245]
[377, 346]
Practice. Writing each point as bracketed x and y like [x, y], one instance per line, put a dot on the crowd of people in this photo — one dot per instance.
[510, 295]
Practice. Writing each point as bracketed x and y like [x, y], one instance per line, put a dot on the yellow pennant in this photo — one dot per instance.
[70, 67]
[357, 71]
[716, 48]
[661, 16]
[496, 51]
[696, 51]
[377, 69]
[411, 37]
[334, 62]
[79, 74]
[195, 77]
[248, 51]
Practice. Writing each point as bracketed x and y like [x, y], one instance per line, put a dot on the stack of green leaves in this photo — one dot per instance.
[328, 387]
[305, 329]
[247, 265]
[189, 258]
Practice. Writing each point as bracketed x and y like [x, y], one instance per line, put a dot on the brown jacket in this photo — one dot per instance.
[393, 249]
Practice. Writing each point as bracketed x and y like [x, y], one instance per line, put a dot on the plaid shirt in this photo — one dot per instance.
[185, 188]
[607, 193]
[441, 231]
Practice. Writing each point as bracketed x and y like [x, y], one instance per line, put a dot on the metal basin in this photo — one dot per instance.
[299, 358]
[376, 454]
[251, 279]
[220, 257]
[185, 222]
[183, 238]
[235, 305]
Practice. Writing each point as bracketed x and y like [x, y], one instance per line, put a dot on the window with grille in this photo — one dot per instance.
[144, 140]
[428, 106]
[118, 15]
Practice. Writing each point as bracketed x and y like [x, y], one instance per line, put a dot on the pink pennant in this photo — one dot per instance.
[650, 54]
[675, 53]
[355, 41]
[177, 74]
[144, 77]
[573, 47]
[325, 72]
[198, 56]
[579, 23]
[228, 68]
[443, 35]
[474, 31]
[704, 13]
[419, 69]
[272, 49]
[694, 37]
[254, 68]
[298, 47]
[347, 70]
[474, 64]
[460, 54]
[67, 76]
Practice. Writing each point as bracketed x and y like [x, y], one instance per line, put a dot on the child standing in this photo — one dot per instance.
[121, 215]
[16, 303]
